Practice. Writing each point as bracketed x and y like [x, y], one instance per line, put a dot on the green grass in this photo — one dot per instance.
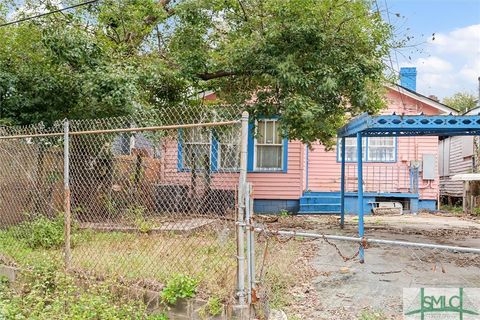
[371, 315]
[44, 293]
[208, 256]
[203, 256]
[20, 253]
[452, 209]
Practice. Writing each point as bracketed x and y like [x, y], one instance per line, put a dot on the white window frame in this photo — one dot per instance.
[256, 144]
[366, 146]
[354, 145]
[370, 146]
[219, 156]
[185, 143]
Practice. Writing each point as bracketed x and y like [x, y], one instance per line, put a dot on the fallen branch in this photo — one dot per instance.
[386, 272]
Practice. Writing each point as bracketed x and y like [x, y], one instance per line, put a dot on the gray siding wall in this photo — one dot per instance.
[456, 157]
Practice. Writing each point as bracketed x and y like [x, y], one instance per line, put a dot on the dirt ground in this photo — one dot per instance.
[340, 289]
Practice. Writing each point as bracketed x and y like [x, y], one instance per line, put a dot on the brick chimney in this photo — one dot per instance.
[408, 78]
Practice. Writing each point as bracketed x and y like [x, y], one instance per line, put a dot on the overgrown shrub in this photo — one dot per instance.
[179, 287]
[41, 232]
[137, 215]
[47, 294]
[213, 307]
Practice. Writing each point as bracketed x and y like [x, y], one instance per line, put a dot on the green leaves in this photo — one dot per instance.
[45, 293]
[41, 232]
[179, 287]
[313, 63]
[462, 101]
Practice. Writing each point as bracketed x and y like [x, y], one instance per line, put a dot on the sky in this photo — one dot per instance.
[446, 43]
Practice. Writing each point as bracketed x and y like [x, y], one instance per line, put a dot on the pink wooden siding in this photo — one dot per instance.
[324, 170]
[281, 185]
[266, 185]
[171, 175]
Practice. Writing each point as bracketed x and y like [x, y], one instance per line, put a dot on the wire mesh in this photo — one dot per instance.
[31, 193]
[320, 278]
[146, 206]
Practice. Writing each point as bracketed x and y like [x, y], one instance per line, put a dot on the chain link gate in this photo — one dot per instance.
[139, 200]
[340, 277]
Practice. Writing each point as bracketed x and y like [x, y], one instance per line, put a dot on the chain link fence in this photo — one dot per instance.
[312, 275]
[148, 197]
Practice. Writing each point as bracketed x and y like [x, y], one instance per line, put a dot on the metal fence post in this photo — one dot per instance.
[342, 185]
[252, 238]
[361, 231]
[66, 186]
[248, 232]
[241, 211]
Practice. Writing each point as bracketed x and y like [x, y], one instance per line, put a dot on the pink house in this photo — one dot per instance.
[287, 175]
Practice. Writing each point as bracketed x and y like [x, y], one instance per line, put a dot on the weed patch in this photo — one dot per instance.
[179, 287]
[45, 293]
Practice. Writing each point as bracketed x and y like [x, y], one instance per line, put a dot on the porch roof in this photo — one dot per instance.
[411, 125]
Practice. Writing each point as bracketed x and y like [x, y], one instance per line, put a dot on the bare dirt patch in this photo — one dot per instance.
[339, 289]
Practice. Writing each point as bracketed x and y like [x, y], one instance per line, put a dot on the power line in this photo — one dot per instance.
[389, 52]
[48, 13]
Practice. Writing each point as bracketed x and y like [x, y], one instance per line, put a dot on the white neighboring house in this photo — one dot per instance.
[456, 157]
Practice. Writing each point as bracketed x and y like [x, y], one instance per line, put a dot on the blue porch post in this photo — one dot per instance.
[360, 192]
[306, 169]
[342, 186]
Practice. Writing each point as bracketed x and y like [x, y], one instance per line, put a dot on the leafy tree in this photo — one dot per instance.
[462, 101]
[312, 62]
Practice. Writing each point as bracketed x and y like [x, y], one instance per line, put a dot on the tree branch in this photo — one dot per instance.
[164, 4]
[243, 10]
[216, 75]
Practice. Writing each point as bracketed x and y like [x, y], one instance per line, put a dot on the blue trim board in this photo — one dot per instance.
[274, 206]
[214, 161]
[411, 125]
[251, 147]
[425, 204]
[306, 166]
[285, 156]
[180, 150]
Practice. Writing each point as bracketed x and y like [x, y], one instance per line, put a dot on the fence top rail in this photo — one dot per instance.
[369, 240]
[123, 130]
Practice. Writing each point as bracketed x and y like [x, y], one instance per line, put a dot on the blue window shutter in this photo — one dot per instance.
[214, 165]
[180, 151]
[251, 147]
[285, 155]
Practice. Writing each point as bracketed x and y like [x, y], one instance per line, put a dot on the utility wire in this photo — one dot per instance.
[48, 13]
[389, 53]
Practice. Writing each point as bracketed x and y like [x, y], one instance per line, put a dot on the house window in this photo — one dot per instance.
[229, 156]
[351, 149]
[229, 148]
[196, 148]
[268, 146]
[381, 149]
[375, 149]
